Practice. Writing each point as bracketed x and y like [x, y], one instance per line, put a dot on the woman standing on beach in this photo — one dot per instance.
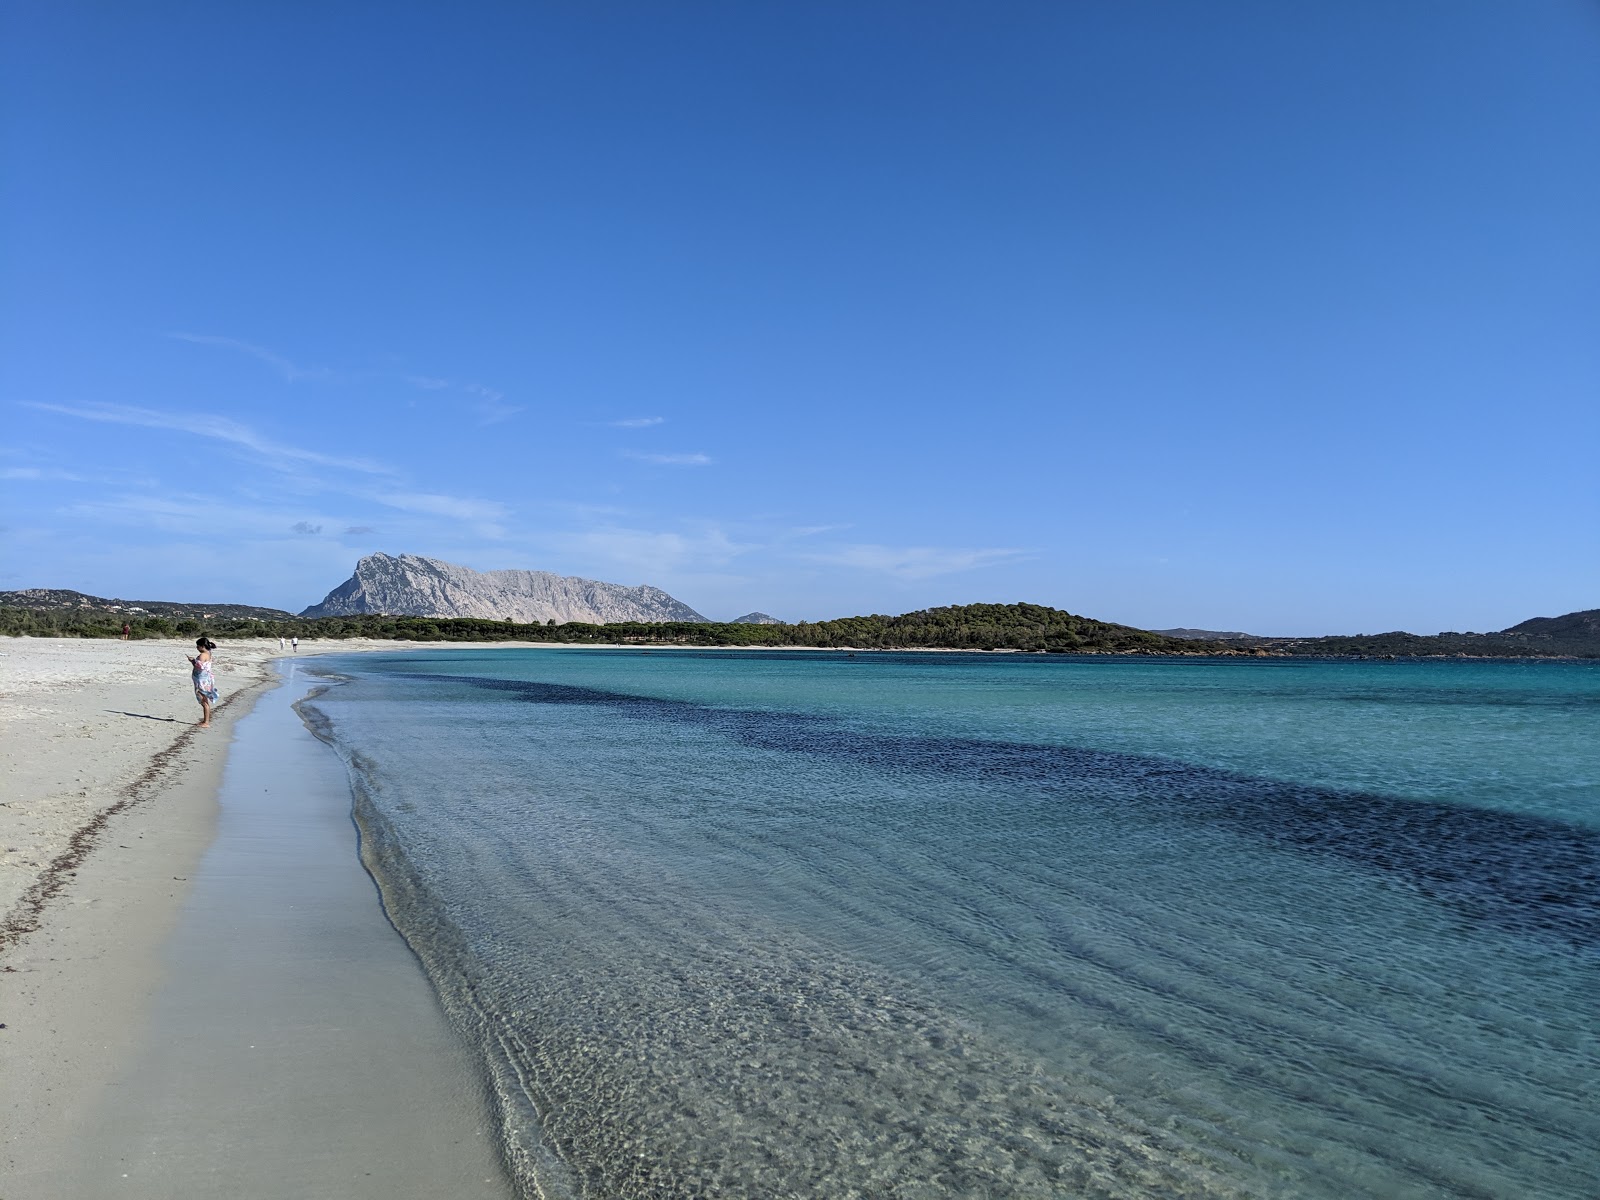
[205, 684]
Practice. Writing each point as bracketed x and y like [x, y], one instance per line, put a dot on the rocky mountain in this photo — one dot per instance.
[756, 618]
[412, 586]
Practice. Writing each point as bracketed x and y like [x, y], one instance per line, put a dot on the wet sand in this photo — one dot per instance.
[212, 1002]
[295, 1048]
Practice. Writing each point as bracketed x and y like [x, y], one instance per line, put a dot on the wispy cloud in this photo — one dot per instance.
[649, 552]
[489, 403]
[276, 523]
[427, 383]
[802, 531]
[913, 562]
[40, 473]
[275, 453]
[187, 514]
[491, 406]
[444, 506]
[289, 370]
[290, 462]
[637, 422]
[670, 460]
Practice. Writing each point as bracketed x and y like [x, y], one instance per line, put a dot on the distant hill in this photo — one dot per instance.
[756, 618]
[1028, 627]
[989, 627]
[1585, 624]
[958, 627]
[1207, 635]
[429, 587]
[1575, 635]
[63, 600]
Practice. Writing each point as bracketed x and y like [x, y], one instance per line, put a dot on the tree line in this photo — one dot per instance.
[1024, 627]
[1029, 627]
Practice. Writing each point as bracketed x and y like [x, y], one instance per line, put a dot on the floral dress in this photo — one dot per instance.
[205, 684]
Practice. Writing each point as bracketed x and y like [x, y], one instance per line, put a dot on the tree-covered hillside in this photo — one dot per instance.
[963, 627]
[1585, 624]
[1027, 627]
[1399, 644]
[66, 600]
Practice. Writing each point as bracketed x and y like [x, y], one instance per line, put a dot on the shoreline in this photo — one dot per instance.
[91, 727]
[81, 962]
[115, 799]
[1272, 650]
[294, 1046]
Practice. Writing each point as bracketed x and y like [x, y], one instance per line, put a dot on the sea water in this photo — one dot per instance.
[778, 924]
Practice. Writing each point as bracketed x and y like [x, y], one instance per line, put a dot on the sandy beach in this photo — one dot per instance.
[123, 895]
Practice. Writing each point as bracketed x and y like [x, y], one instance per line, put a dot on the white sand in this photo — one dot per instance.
[109, 809]
[81, 722]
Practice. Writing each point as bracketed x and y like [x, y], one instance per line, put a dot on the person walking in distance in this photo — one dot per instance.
[205, 683]
[295, 642]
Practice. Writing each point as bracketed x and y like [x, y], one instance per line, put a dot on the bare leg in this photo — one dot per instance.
[205, 714]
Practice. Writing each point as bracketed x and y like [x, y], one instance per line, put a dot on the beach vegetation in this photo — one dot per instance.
[1028, 627]
[1033, 628]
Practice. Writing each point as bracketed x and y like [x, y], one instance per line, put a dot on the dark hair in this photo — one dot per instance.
[204, 643]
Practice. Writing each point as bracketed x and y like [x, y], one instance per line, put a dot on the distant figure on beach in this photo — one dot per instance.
[126, 630]
[295, 642]
[205, 684]
[280, 642]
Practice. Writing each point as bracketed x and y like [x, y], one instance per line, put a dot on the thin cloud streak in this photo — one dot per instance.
[187, 514]
[436, 505]
[670, 460]
[492, 412]
[289, 370]
[274, 521]
[637, 422]
[216, 428]
[287, 459]
[41, 473]
[913, 562]
[490, 404]
[649, 552]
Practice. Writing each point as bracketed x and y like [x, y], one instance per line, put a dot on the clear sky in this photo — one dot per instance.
[1268, 316]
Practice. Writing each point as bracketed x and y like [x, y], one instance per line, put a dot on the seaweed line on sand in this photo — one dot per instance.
[27, 914]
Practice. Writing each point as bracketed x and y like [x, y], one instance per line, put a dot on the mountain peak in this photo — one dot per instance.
[410, 585]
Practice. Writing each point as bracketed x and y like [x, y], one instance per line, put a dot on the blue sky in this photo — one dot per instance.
[1263, 316]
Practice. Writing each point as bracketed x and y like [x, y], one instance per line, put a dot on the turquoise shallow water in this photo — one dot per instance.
[769, 924]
